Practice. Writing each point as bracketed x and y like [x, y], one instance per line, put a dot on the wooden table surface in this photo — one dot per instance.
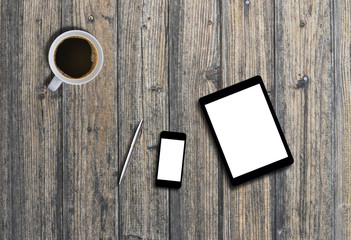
[61, 153]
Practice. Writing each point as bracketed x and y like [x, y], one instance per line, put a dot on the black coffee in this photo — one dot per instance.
[75, 57]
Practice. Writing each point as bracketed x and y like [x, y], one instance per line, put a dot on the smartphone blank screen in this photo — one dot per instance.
[171, 160]
[246, 130]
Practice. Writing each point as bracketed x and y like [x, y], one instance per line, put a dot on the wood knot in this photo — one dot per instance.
[302, 82]
[156, 88]
[212, 74]
[71, 210]
[41, 96]
[42, 92]
[302, 24]
[90, 129]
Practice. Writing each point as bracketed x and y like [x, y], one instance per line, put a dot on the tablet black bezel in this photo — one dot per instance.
[174, 136]
[234, 89]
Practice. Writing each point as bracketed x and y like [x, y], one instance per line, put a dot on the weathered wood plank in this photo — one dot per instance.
[31, 131]
[156, 115]
[248, 50]
[90, 134]
[42, 123]
[342, 34]
[12, 204]
[132, 205]
[143, 88]
[194, 72]
[305, 103]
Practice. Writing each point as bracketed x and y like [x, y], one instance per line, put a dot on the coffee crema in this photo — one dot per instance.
[75, 57]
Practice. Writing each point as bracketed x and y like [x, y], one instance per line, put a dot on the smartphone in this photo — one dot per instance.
[171, 159]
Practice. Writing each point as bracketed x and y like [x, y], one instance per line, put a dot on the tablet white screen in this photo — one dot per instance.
[171, 160]
[246, 130]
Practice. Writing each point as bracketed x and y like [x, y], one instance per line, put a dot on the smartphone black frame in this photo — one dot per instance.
[232, 90]
[174, 136]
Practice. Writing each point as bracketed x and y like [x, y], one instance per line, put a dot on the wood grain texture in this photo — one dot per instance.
[90, 132]
[31, 130]
[248, 50]
[42, 124]
[155, 113]
[305, 103]
[143, 93]
[132, 194]
[12, 183]
[342, 166]
[194, 64]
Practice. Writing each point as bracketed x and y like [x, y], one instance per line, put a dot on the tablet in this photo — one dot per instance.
[246, 130]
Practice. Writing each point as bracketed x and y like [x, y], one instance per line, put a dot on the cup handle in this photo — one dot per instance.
[54, 84]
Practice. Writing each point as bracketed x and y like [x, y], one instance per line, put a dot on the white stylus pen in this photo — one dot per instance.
[132, 146]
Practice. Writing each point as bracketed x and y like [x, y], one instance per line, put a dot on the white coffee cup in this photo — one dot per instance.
[59, 76]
